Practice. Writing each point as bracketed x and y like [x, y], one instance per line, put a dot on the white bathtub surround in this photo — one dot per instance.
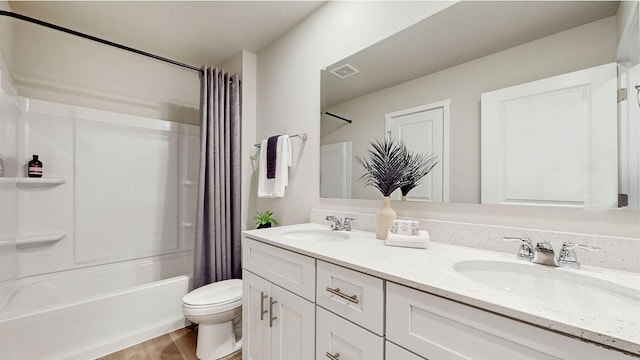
[619, 253]
[432, 270]
[99, 252]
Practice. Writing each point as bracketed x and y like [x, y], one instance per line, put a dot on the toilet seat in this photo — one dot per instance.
[213, 298]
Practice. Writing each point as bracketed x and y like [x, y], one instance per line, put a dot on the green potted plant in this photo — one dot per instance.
[264, 219]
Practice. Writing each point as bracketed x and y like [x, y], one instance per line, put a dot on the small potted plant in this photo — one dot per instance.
[264, 219]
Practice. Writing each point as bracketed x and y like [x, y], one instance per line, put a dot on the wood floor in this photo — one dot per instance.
[177, 345]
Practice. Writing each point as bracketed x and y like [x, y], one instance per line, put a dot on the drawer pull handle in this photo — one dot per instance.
[271, 317]
[336, 291]
[262, 310]
[333, 357]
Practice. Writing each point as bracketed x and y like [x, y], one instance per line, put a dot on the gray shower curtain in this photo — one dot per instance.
[217, 242]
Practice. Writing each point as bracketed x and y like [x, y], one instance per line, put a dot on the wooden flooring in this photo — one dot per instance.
[177, 345]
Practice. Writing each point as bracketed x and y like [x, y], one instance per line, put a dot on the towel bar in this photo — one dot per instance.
[302, 136]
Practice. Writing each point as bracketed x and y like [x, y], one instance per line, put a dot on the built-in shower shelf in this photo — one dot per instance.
[38, 240]
[39, 182]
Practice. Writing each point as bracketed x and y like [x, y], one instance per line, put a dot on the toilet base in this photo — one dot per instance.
[216, 341]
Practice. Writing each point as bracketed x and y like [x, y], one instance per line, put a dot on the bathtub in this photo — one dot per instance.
[91, 312]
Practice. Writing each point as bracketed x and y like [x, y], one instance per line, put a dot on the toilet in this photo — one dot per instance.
[216, 308]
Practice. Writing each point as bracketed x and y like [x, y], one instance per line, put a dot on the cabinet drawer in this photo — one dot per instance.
[355, 296]
[436, 328]
[395, 352]
[337, 337]
[292, 271]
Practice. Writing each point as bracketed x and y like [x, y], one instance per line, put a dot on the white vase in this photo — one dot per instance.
[384, 219]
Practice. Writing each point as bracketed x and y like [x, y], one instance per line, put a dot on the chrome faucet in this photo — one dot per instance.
[335, 223]
[543, 252]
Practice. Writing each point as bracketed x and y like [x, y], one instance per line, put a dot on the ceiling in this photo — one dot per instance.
[193, 32]
[463, 32]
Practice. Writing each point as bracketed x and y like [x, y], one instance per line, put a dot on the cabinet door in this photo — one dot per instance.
[256, 335]
[341, 339]
[292, 331]
[395, 352]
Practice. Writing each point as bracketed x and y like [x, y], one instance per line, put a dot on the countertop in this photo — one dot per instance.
[432, 270]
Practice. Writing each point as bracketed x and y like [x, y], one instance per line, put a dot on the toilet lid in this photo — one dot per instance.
[222, 292]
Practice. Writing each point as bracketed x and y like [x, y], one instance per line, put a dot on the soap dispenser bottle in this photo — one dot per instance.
[35, 167]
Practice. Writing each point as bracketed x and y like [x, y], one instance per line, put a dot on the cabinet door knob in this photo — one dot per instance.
[336, 291]
[271, 317]
[262, 310]
[333, 357]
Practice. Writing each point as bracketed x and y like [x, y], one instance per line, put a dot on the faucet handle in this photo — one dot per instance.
[526, 248]
[346, 223]
[334, 222]
[568, 258]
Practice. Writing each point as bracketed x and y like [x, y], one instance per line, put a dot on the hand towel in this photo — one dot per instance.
[272, 188]
[272, 151]
[413, 241]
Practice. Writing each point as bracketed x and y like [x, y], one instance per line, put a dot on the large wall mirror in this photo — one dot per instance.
[518, 100]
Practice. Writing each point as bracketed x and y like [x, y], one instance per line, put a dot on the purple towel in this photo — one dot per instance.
[272, 147]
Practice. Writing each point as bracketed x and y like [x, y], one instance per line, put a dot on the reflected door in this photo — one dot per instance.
[571, 121]
[423, 129]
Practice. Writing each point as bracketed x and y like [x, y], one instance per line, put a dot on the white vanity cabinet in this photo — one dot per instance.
[277, 324]
[437, 328]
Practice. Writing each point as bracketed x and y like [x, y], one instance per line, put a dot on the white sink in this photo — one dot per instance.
[555, 286]
[315, 235]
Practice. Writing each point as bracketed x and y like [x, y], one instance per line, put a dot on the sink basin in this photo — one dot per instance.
[315, 235]
[555, 286]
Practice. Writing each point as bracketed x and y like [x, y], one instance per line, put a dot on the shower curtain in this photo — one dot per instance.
[217, 240]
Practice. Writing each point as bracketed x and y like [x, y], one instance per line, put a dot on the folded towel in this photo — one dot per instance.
[413, 241]
[271, 188]
[272, 145]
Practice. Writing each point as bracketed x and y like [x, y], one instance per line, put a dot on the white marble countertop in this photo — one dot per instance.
[432, 270]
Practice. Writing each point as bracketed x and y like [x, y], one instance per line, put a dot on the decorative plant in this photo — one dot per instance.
[385, 165]
[265, 219]
[418, 166]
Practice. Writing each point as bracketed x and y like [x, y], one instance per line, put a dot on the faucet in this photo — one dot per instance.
[543, 252]
[335, 223]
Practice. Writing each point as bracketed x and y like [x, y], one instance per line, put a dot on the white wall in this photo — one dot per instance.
[575, 49]
[289, 84]
[289, 102]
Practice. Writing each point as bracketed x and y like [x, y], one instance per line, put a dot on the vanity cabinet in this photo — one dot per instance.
[437, 328]
[299, 307]
[277, 323]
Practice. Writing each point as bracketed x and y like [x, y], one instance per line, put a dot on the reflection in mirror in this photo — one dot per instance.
[425, 85]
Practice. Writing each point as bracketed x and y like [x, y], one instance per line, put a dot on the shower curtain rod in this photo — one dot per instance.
[96, 39]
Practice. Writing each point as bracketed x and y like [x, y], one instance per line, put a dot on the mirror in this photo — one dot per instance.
[440, 68]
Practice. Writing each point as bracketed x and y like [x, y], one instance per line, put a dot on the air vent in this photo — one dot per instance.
[344, 71]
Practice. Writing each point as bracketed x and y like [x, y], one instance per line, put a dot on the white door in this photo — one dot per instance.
[256, 335]
[552, 141]
[424, 129]
[293, 332]
[335, 170]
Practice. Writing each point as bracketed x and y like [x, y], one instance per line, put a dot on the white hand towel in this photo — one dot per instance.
[414, 241]
[271, 188]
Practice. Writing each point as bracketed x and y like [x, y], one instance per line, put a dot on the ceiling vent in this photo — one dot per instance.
[344, 71]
